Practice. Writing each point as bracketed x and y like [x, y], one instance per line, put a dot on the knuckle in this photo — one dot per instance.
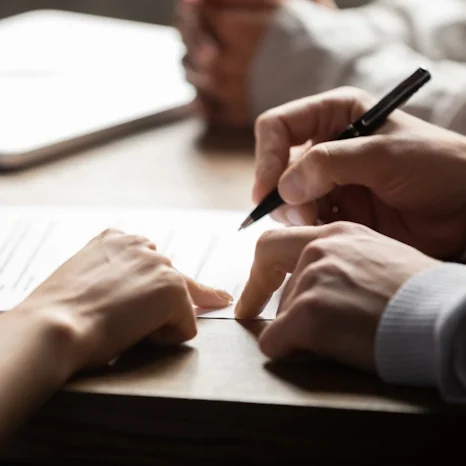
[261, 122]
[322, 155]
[316, 277]
[265, 239]
[348, 228]
[156, 260]
[108, 232]
[173, 291]
[164, 260]
[316, 314]
[300, 310]
[170, 280]
[136, 240]
[308, 310]
[311, 303]
[327, 273]
[308, 278]
[327, 268]
[264, 121]
[341, 227]
[315, 250]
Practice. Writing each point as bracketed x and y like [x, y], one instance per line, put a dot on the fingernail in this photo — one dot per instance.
[295, 218]
[225, 296]
[292, 187]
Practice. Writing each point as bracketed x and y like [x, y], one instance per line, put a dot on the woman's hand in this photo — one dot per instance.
[115, 292]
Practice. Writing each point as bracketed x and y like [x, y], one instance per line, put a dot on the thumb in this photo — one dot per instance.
[364, 161]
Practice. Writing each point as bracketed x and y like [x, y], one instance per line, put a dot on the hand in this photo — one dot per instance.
[115, 292]
[343, 276]
[222, 38]
[407, 182]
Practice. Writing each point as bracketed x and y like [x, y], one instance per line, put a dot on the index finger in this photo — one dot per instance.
[318, 118]
[206, 297]
[277, 253]
[200, 295]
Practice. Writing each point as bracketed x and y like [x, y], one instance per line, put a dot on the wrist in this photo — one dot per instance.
[415, 334]
[36, 360]
[55, 335]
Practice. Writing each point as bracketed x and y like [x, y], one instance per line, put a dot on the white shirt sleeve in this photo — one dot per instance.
[434, 28]
[421, 339]
[310, 49]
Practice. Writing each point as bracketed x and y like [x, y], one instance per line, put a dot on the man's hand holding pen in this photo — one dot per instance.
[406, 182]
[376, 208]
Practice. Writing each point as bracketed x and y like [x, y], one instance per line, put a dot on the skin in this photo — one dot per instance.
[406, 182]
[112, 294]
[222, 38]
[401, 200]
[331, 305]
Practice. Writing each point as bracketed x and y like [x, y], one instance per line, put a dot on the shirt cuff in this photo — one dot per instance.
[414, 341]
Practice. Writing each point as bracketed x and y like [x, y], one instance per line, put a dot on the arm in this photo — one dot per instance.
[371, 47]
[415, 173]
[112, 294]
[35, 360]
[334, 307]
[421, 339]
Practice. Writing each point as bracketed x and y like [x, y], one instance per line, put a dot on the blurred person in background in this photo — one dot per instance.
[247, 56]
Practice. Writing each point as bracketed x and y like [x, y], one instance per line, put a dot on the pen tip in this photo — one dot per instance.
[246, 223]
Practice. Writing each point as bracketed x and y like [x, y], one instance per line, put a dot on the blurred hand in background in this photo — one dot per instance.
[245, 57]
[222, 38]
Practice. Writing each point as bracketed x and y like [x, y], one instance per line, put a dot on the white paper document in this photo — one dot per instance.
[202, 244]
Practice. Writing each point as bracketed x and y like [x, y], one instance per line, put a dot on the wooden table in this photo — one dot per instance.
[216, 400]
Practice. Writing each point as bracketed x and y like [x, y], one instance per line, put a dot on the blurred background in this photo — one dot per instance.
[151, 11]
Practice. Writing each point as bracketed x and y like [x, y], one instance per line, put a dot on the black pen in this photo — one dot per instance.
[365, 126]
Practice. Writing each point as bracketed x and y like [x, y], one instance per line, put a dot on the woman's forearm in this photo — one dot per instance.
[35, 350]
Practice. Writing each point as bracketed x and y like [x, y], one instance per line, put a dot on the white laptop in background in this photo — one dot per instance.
[69, 79]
